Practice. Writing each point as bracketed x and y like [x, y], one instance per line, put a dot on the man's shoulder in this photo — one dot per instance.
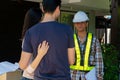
[65, 25]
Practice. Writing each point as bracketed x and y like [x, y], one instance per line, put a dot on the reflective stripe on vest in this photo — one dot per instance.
[77, 66]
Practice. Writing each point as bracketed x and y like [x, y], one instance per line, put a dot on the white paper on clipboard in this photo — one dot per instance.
[91, 75]
[8, 67]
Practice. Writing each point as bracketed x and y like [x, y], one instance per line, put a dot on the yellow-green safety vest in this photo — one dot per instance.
[77, 66]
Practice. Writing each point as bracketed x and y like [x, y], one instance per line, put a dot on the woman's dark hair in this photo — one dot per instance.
[32, 17]
[50, 5]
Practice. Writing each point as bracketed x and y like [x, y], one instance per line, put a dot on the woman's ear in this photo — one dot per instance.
[41, 7]
[58, 8]
[42, 10]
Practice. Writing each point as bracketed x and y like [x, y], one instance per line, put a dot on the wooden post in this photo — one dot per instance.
[114, 23]
[119, 33]
[115, 26]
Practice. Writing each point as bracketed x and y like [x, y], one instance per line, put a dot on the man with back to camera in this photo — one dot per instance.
[55, 64]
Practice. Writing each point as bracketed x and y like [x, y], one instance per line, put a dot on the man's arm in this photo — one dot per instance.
[24, 60]
[71, 55]
[99, 61]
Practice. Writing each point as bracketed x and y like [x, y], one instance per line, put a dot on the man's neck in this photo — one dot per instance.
[48, 17]
[82, 35]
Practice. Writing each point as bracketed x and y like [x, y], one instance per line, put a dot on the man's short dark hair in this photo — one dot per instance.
[50, 5]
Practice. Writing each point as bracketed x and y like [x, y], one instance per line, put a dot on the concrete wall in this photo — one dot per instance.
[91, 27]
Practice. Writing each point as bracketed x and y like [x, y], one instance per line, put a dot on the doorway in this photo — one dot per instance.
[11, 21]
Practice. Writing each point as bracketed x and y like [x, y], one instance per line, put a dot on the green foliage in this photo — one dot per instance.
[66, 18]
[110, 57]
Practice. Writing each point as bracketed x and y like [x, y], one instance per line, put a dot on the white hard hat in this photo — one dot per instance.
[80, 16]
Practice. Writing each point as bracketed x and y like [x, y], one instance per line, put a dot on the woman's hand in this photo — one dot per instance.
[43, 48]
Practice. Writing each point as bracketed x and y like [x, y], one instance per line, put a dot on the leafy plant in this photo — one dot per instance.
[111, 63]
